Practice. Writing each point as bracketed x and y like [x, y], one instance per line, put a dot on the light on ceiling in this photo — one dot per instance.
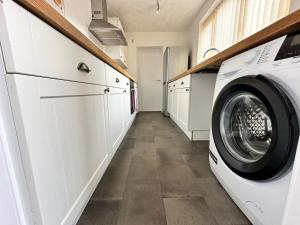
[158, 7]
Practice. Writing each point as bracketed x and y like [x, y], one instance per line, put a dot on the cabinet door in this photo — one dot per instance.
[170, 100]
[116, 117]
[174, 105]
[183, 103]
[61, 128]
[127, 108]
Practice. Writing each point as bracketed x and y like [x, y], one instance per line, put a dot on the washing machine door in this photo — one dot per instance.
[255, 128]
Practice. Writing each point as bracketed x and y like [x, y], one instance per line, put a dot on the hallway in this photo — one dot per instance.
[159, 177]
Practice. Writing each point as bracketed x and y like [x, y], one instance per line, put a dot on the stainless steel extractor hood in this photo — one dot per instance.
[105, 32]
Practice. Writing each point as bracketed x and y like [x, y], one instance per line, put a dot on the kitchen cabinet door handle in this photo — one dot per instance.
[187, 89]
[124, 91]
[117, 80]
[173, 85]
[83, 67]
[182, 83]
[106, 90]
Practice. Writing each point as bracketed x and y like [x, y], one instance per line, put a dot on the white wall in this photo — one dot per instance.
[79, 13]
[295, 5]
[151, 39]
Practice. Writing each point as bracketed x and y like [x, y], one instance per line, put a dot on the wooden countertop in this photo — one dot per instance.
[44, 11]
[286, 25]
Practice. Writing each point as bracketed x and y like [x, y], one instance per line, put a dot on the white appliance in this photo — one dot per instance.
[175, 62]
[255, 127]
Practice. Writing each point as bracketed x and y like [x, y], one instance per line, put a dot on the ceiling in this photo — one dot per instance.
[140, 15]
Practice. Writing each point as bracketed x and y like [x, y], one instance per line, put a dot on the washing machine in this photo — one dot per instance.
[255, 127]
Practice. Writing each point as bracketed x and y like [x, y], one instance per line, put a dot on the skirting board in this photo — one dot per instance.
[76, 210]
[200, 135]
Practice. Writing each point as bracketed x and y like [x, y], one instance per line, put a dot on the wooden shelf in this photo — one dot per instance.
[49, 15]
[284, 26]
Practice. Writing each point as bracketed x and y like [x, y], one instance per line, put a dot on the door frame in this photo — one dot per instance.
[161, 78]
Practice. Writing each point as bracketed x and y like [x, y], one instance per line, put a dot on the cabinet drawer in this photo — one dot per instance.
[114, 78]
[35, 48]
[172, 85]
[184, 82]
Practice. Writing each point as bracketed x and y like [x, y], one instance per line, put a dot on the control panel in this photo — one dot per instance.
[290, 47]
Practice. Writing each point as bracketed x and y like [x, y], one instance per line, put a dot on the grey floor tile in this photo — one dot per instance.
[220, 204]
[169, 156]
[123, 157]
[127, 143]
[145, 138]
[142, 204]
[143, 167]
[156, 161]
[199, 165]
[177, 181]
[163, 142]
[100, 213]
[144, 148]
[188, 211]
[112, 185]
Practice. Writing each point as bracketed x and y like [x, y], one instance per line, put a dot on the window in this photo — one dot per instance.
[234, 20]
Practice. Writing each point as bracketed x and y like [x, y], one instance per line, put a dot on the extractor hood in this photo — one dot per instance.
[105, 32]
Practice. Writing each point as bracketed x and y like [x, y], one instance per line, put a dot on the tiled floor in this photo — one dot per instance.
[159, 177]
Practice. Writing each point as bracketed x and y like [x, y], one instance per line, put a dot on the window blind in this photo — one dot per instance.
[234, 20]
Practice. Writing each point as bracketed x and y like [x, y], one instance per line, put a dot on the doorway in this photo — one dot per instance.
[150, 78]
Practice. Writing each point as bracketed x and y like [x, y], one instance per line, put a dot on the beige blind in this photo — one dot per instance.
[234, 20]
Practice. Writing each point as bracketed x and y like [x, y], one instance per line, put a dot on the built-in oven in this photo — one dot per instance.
[132, 97]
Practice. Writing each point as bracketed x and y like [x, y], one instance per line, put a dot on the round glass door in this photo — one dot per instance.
[246, 127]
[255, 128]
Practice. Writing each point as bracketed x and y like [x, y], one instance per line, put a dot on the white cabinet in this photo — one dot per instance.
[170, 92]
[127, 109]
[116, 117]
[63, 138]
[190, 104]
[68, 125]
[173, 104]
[119, 54]
[183, 103]
[32, 47]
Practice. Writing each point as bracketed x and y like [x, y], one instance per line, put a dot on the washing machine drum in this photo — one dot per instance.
[255, 128]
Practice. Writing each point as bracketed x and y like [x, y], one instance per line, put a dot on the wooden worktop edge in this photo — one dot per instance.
[49, 15]
[284, 26]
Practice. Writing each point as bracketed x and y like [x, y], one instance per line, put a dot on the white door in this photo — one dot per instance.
[183, 103]
[116, 117]
[61, 128]
[150, 77]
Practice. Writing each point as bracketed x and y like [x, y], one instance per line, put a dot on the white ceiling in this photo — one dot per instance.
[140, 15]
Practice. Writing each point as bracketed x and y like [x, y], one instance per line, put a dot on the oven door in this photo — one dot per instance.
[255, 128]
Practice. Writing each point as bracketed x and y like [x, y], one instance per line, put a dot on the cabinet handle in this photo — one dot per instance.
[182, 83]
[83, 67]
[127, 84]
[106, 90]
[173, 85]
[117, 80]
[187, 89]
[124, 91]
